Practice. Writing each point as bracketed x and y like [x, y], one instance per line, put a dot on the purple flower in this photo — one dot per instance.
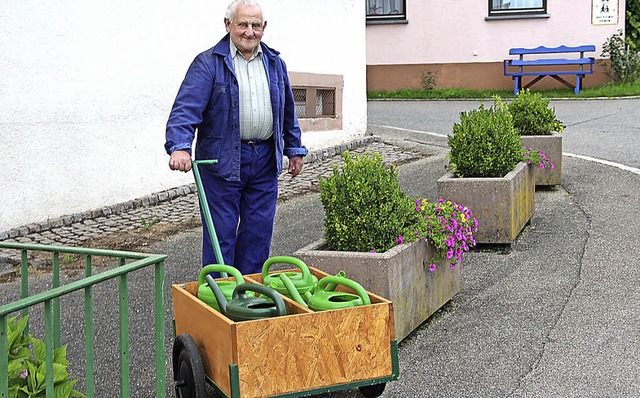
[418, 209]
[458, 235]
[450, 253]
[417, 202]
[399, 240]
[552, 166]
[541, 165]
[454, 223]
[440, 200]
[372, 251]
[453, 266]
[450, 242]
[432, 267]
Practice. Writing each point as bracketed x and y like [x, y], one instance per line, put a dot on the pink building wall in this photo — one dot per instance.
[457, 32]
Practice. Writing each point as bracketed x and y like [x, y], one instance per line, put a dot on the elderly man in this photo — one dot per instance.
[238, 97]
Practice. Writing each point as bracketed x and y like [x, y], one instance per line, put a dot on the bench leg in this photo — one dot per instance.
[516, 85]
[576, 90]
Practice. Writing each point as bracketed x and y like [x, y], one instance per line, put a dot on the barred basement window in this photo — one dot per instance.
[314, 102]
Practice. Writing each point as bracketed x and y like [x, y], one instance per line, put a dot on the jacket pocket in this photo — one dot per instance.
[220, 98]
[209, 148]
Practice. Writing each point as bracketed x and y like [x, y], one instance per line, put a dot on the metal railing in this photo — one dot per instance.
[51, 301]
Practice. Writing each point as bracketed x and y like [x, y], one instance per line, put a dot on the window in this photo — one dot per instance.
[517, 7]
[313, 102]
[389, 10]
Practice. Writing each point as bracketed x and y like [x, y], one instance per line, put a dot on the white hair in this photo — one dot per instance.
[231, 10]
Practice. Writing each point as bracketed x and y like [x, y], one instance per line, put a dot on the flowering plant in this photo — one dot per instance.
[447, 226]
[534, 156]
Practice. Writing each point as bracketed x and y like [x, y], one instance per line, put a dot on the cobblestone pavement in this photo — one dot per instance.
[179, 204]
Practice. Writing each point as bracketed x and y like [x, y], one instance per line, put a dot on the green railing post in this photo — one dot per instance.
[24, 279]
[4, 357]
[90, 385]
[48, 343]
[159, 317]
[55, 264]
[124, 335]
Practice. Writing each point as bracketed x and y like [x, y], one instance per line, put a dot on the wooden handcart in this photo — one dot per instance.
[300, 354]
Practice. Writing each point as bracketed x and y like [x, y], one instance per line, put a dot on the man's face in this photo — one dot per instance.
[246, 29]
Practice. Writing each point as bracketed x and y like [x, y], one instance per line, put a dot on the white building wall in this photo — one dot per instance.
[86, 88]
[451, 31]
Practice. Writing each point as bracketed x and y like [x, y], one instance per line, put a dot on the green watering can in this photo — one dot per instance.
[247, 308]
[204, 292]
[323, 297]
[302, 281]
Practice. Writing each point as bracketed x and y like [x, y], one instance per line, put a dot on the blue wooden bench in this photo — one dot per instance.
[541, 67]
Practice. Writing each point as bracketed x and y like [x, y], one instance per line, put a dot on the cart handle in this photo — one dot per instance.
[206, 212]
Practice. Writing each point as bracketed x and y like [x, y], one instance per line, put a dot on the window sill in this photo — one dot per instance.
[516, 16]
[387, 21]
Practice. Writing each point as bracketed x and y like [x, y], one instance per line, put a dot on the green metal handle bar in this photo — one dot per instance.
[206, 212]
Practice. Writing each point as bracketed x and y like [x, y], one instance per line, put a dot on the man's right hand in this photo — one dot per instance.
[180, 160]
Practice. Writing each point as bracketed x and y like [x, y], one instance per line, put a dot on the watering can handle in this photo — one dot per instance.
[202, 197]
[222, 269]
[306, 274]
[338, 280]
[264, 290]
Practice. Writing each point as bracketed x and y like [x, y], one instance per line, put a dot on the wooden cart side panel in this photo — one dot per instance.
[308, 351]
[213, 333]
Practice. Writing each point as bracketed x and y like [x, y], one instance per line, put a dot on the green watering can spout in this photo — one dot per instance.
[221, 300]
[206, 294]
[303, 281]
[332, 286]
[291, 289]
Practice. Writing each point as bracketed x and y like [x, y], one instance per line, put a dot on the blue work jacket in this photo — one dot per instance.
[208, 100]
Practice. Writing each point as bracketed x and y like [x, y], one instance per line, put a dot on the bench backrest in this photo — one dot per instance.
[551, 50]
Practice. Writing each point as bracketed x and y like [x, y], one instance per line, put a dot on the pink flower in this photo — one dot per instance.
[552, 166]
[372, 251]
[450, 253]
[399, 240]
[432, 267]
[541, 165]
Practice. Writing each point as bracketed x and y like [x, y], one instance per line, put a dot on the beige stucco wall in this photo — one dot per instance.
[458, 41]
[86, 88]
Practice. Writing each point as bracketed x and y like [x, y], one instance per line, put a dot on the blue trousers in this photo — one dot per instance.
[243, 211]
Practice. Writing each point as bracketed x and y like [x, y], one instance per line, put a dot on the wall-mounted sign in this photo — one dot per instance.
[604, 12]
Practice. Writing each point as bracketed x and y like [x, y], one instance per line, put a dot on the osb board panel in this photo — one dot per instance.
[306, 351]
[213, 333]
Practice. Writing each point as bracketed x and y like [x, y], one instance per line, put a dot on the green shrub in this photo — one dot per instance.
[27, 366]
[485, 143]
[624, 61]
[532, 115]
[365, 208]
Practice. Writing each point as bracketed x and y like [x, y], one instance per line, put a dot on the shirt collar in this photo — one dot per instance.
[234, 50]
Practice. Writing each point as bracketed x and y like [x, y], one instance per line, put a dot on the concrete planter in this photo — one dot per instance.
[398, 274]
[550, 145]
[502, 206]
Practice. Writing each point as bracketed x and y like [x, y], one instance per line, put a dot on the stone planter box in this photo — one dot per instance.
[550, 145]
[502, 206]
[398, 274]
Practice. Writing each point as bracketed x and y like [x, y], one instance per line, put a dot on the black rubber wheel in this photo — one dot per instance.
[188, 372]
[372, 391]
